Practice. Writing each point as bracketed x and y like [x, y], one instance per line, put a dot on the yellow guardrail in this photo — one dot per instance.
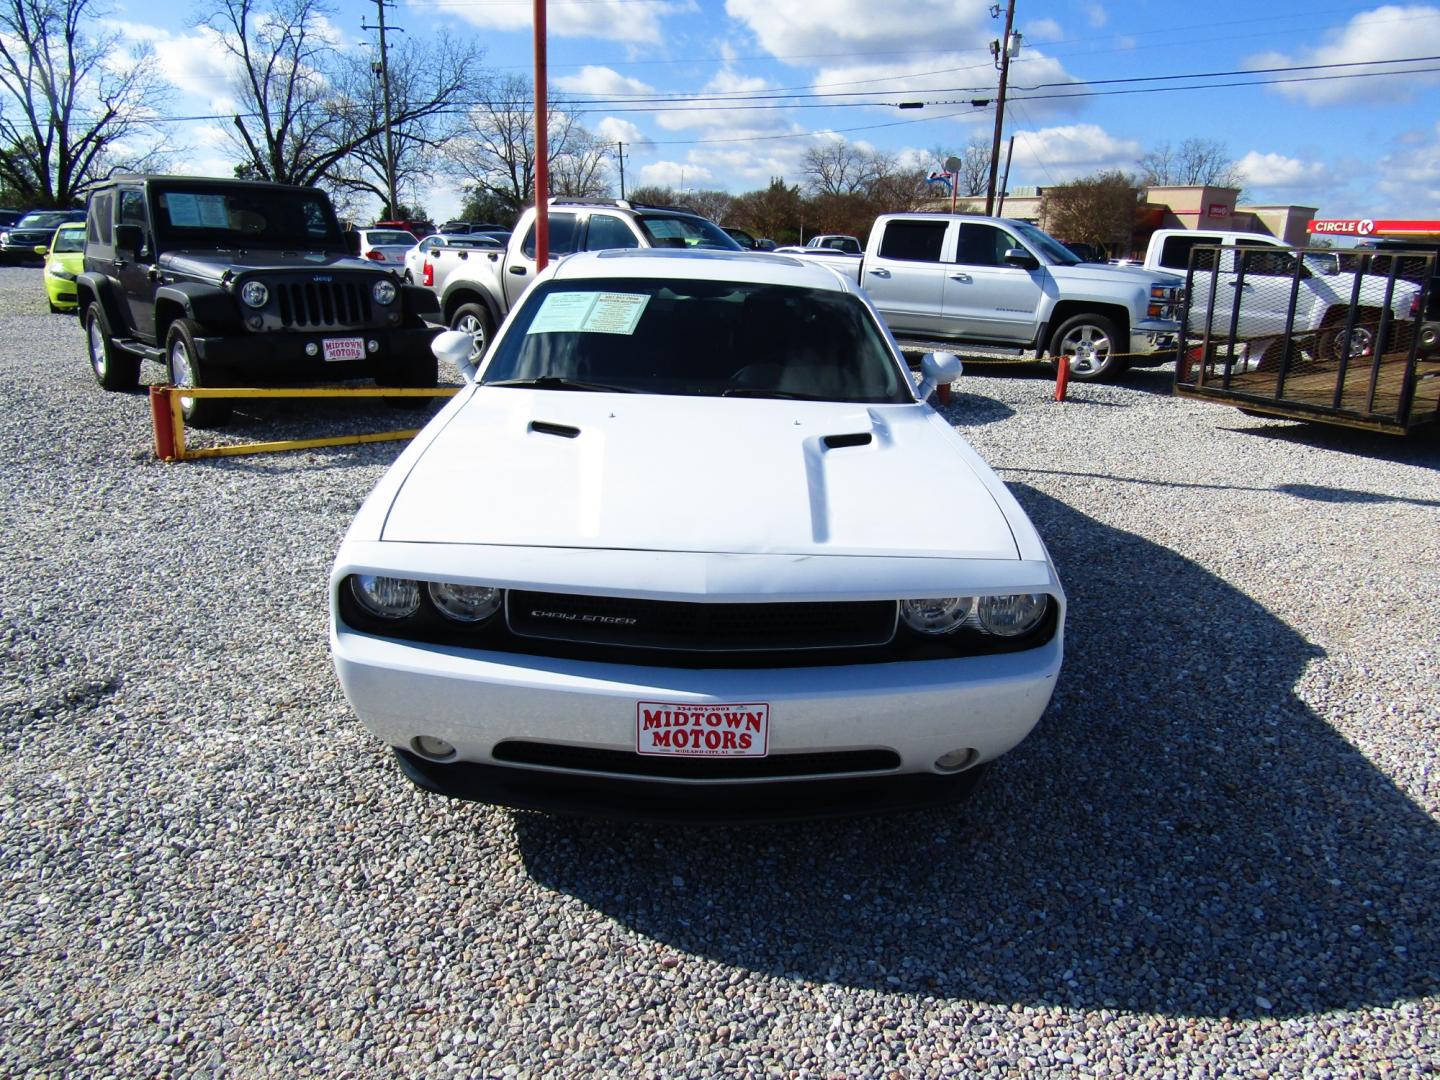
[169, 425]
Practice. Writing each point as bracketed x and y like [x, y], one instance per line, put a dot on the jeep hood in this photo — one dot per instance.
[213, 264]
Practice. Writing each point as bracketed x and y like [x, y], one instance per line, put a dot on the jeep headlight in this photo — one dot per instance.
[254, 293]
[384, 292]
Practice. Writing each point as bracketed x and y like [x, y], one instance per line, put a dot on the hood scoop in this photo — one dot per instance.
[839, 442]
[544, 427]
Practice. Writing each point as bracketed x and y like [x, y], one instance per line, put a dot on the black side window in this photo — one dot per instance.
[984, 245]
[132, 207]
[1175, 251]
[99, 229]
[609, 232]
[914, 241]
[562, 236]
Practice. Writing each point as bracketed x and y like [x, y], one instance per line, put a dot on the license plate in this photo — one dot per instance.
[670, 729]
[344, 348]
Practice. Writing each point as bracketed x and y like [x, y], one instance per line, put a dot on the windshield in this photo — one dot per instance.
[47, 220]
[685, 232]
[1047, 245]
[247, 217]
[69, 240]
[698, 339]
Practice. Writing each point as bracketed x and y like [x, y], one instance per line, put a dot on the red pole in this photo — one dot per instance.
[1062, 376]
[542, 149]
[160, 420]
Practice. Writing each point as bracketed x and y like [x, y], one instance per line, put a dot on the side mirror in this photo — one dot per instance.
[453, 346]
[936, 369]
[1021, 258]
[129, 238]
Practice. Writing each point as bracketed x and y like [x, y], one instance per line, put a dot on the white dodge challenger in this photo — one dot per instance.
[690, 540]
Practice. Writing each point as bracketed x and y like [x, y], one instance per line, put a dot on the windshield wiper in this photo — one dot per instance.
[762, 392]
[557, 382]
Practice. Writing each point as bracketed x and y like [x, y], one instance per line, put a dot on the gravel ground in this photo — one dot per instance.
[1218, 853]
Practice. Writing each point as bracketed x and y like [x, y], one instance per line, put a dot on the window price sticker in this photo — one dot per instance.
[589, 312]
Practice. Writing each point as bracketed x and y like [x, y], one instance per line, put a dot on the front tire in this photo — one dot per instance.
[1089, 344]
[183, 362]
[115, 369]
[474, 319]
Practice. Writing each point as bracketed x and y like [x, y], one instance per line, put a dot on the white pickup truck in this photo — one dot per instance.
[998, 283]
[477, 287]
[1322, 300]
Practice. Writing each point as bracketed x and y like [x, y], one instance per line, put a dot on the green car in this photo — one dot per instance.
[64, 259]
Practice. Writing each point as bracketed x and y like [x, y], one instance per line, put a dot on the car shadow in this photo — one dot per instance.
[1180, 835]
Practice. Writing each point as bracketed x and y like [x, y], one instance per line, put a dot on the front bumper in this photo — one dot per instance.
[61, 292]
[1153, 336]
[912, 712]
[277, 356]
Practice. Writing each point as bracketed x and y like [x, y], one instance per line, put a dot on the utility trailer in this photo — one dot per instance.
[1370, 363]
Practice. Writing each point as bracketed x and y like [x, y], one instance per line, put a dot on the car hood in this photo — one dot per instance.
[212, 265]
[657, 473]
[1103, 272]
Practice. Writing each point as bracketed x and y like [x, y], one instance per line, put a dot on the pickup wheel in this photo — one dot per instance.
[115, 369]
[183, 362]
[1088, 343]
[474, 319]
[1331, 341]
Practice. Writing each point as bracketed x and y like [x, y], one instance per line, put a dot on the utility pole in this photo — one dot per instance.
[620, 151]
[1002, 50]
[542, 136]
[380, 6]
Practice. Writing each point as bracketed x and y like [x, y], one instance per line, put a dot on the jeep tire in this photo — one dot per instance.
[115, 369]
[183, 363]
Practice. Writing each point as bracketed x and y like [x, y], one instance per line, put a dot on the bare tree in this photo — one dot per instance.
[840, 168]
[430, 71]
[712, 204]
[1195, 162]
[583, 169]
[496, 155]
[1096, 210]
[974, 174]
[68, 103]
[309, 106]
[775, 211]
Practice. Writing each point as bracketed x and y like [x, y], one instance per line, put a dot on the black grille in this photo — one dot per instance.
[676, 626]
[624, 763]
[323, 303]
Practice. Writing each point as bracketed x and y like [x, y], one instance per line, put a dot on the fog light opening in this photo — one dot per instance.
[373, 345]
[956, 760]
[311, 349]
[432, 747]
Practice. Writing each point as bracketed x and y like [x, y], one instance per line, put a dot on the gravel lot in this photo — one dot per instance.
[1218, 853]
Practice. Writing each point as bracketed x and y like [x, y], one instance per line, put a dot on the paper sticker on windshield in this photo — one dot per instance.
[589, 312]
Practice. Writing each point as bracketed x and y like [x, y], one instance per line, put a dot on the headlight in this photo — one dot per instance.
[254, 293]
[936, 617]
[384, 292]
[465, 603]
[1011, 616]
[386, 597]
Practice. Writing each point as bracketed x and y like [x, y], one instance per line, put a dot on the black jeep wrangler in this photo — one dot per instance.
[240, 283]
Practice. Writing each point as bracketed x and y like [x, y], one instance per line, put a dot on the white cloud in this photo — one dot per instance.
[1276, 171]
[1388, 32]
[602, 82]
[739, 120]
[1042, 30]
[610, 20]
[1057, 154]
[675, 174]
[796, 27]
[1409, 176]
[613, 129]
[1096, 16]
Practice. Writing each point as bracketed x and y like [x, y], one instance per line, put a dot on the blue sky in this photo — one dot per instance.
[751, 84]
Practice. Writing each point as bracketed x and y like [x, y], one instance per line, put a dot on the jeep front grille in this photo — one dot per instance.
[310, 303]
